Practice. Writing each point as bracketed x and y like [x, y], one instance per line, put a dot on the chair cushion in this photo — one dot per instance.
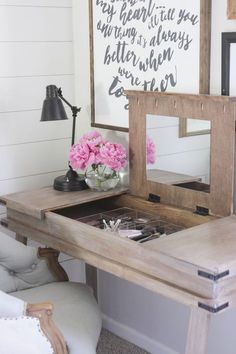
[76, 313]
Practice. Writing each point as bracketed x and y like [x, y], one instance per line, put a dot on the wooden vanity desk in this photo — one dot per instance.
[196, 265]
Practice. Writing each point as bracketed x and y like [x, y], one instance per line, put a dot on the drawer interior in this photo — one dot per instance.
[128, 222]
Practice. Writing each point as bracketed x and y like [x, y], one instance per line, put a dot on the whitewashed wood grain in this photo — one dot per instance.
[33, 159]
[28, 128]
[35, 24]
[55, 3]
[27, 93]
[35, 59]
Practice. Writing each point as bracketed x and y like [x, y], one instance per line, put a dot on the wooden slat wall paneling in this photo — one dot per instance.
[28, 93]
[30, 159]
[37, 63]
[34, 130]
[43, 24]
[29, 182]
[37, 50]
[55, 3]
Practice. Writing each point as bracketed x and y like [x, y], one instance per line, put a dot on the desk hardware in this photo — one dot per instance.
[213, 277]
[202, 211]
[154, 198]
[212, 309]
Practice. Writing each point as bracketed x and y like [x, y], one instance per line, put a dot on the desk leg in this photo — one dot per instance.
[198, 331]
[91, 278]
[21, 239]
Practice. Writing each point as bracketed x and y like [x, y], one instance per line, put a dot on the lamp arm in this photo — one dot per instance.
[75, 110]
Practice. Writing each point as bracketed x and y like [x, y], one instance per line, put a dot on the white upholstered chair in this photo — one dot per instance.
[40, 310]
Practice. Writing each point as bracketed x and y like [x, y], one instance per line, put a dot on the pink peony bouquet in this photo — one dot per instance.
[92, 151]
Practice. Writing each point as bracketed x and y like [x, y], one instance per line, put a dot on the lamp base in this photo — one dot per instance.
[70, 182]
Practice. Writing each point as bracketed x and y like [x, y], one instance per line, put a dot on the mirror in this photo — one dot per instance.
[175, 161]
[216, 197]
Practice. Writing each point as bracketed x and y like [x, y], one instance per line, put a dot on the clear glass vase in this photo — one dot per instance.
[101, 178]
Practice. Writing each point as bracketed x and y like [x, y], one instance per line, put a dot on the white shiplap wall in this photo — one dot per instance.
[36, 50]
[36, 46]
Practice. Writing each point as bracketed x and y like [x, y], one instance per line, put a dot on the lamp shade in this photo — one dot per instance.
[53, 108]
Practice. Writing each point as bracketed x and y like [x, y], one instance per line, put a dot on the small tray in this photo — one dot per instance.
[131, 223]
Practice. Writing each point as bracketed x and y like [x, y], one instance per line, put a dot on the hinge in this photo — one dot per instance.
[211, 276]
[201, 211]
[154, 198]
[212, 309]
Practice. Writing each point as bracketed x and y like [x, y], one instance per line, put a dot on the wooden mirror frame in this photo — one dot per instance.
[220, 111]
[204, 65]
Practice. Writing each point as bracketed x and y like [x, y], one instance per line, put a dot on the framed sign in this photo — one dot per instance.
[153, 45]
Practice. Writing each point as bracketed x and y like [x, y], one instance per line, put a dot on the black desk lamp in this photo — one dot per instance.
[53, 109]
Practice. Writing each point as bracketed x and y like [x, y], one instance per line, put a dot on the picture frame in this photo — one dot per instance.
[204, 74]
[228, 56]
[114, 53]
[231, 9]
[188, 128]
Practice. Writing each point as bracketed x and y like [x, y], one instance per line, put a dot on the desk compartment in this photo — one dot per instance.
[133, 222]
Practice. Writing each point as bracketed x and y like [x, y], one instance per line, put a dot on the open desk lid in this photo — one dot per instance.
[220, 111]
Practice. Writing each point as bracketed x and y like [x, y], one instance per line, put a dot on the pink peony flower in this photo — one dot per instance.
[113, 156]
[93, 151]
[93, 139]
[150, 153]
[81, 156]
